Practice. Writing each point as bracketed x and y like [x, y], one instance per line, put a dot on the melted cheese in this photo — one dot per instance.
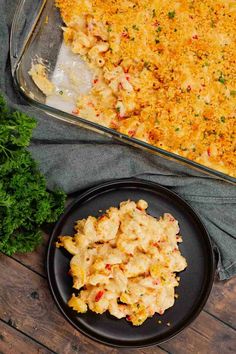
[164, 72]
[125, 262]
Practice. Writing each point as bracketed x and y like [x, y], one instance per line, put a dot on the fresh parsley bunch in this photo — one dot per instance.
[25, 203]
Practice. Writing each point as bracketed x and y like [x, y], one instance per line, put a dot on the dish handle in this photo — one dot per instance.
[25, 18]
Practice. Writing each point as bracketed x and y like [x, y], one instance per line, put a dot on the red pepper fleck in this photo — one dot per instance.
[99, 295]
[151, 135]
[156, 23]
[195, 36]
[120, 117]
[120, 86]
[128, 318]
[131, 132]
[127, 77]
[102, 217]
[95, 81]
[75, 111]
[155, 244]
[125, 35]
[208, 152]
[114, 124]
[108, 266]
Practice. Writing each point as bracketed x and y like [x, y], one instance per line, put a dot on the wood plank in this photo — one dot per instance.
[222, 302]
[205, 335]
[35, 260]
[27, 304]
[12, 342]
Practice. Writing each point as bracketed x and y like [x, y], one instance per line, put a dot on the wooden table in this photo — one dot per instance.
[31, 323]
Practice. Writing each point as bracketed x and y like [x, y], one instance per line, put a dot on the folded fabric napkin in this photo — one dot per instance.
[74, 158]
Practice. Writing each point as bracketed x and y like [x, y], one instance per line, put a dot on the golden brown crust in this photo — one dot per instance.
[178, 58]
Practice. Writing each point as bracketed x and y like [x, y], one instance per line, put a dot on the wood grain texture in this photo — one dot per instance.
[222, 301]
[27, 305]
[205, 335]
[12, 342]
[35, 260]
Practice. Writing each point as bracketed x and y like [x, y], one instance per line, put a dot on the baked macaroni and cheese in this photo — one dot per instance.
[164, 72]
[125, 262]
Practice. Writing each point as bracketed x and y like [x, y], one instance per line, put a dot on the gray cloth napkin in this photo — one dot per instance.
[74, 158]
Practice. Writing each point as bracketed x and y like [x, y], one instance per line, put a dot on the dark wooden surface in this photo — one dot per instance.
[31, 323]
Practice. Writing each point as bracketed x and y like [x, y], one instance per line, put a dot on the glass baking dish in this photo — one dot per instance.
[39, 35]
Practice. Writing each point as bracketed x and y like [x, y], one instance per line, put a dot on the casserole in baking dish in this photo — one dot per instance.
[159, 74]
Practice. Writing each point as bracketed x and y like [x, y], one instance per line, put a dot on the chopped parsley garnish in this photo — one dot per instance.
[154, 13]
[233, 93]
[171, 14]
[212, 24]
[157, 41]
[222, 119]
[135, 27]
[159, 29]
[221, 79]
[147, 65]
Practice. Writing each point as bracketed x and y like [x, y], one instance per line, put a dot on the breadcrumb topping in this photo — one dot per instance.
[165, 72]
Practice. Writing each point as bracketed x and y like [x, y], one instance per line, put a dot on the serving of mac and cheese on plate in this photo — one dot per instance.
[125, 262]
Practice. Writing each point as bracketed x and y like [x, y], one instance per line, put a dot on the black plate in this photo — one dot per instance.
[195, 284]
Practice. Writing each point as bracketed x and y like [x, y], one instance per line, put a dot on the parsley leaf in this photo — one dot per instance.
[25, 203]
[221, 79]
[171, 14]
